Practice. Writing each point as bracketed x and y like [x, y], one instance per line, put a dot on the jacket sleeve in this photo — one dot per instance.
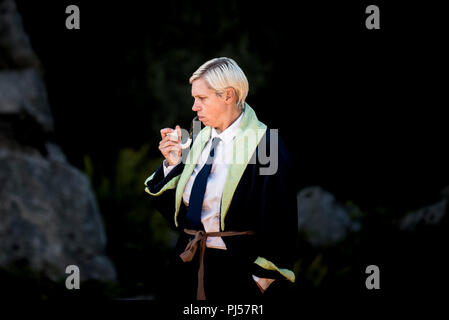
[163, 189]
[278, 221]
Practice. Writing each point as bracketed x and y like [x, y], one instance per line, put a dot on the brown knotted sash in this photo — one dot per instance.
[190, 250]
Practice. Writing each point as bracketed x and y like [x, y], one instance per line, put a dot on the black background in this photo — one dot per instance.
[363, 112]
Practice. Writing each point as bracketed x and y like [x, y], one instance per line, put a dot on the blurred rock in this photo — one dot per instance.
[15, 48]
[23, 92]
[430, 215]
[322, 220]
[55, 153]
[49, 217]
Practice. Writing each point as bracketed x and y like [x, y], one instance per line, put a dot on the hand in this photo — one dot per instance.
[169, 147]
[261, 289]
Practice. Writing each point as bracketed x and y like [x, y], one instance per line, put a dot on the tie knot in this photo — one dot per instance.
[215, 142]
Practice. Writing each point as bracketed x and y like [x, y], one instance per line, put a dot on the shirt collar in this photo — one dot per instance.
[230, 132]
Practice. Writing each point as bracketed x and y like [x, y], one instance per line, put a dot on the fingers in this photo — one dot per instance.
[169, 144]
[165, 134]
[167, 149]
[164, 143]
[178, 130]
[177, 148]
[165, 131]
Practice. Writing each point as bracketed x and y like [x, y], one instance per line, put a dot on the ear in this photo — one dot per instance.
[229, 95]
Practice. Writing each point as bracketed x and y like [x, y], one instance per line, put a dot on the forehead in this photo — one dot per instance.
[200, 87]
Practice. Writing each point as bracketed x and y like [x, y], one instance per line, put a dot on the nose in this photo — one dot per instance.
[196, 106]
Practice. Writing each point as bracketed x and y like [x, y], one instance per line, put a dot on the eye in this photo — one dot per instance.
[200, 98]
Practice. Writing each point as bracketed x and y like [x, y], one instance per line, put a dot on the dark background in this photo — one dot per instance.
[362, 111]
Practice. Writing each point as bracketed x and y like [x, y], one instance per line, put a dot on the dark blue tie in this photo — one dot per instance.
[198, 190]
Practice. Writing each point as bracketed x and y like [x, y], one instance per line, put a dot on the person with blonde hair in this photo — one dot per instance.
[234, 206]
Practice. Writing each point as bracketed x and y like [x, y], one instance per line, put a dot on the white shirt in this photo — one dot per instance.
[210, 214]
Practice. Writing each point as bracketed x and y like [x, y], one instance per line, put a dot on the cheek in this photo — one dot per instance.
[215, 110]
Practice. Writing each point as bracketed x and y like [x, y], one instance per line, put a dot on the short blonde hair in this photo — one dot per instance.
[223, 73]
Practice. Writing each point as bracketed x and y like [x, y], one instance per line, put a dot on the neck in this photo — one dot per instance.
[236, 112]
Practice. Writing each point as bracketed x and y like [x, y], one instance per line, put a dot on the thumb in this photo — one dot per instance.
[178, 130]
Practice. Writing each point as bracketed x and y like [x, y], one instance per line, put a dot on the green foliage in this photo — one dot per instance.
[138, 237]
[317, 270]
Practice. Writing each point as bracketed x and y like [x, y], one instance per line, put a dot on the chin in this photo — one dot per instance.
[207, 123]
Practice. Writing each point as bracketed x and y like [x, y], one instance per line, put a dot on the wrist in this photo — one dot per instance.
[168, 164]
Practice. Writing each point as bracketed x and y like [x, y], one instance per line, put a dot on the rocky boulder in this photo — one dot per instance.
[429, 215]
[49, 217]
[322, 220]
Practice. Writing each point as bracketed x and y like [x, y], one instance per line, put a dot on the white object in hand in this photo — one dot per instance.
[174, 136]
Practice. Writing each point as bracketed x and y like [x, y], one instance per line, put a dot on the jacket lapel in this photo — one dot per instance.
[245, 143]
